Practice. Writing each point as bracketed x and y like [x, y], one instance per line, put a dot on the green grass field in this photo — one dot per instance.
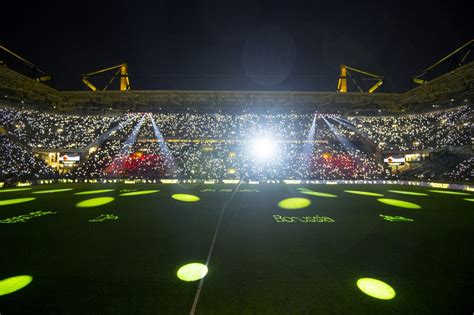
[122, 257]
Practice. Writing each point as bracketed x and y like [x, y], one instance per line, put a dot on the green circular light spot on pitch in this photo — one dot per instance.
[15, 201]
[376, 288]
[294, 203]
[51, 191]
[94, 202]
[185, 197]
[448, 192]
[318, 194]
[403, 192]
[192, 272]
[364, 193]
[140, 192]
[469, 199]
[12, 284]
[91, 192]
[13, 189]
[399, 203]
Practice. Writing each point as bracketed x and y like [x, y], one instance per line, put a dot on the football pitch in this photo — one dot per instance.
[236, 249]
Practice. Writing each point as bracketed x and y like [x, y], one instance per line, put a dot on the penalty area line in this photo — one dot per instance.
[211, 248]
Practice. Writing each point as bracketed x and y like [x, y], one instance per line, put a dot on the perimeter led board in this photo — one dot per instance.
[192, 272]
[399, 203]
[376, 288]
[15, 201]
[13, 284]
[185, 197]
[139, 192]
[94, 202]
[294, 203]
[363, 193]
[394, 160]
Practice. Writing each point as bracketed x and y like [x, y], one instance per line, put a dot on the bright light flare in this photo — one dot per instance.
[263, 148]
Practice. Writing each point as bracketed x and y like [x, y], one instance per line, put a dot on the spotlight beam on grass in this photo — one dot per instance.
[404, 192]
[449, 192]
[294, 203]
[50, 191]
[376, 288]
[13, 190]
[363, 193]
[192, 272]
[15, 201]
[139, 192]
[13, 284]
[185, 197]
[318, 194]
[399, 203]
[94, 202]
[96, 191]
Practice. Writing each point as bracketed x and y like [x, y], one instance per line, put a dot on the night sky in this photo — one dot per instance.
[239, 45]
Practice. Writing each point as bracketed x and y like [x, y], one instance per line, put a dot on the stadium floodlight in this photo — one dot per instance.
[263, 148]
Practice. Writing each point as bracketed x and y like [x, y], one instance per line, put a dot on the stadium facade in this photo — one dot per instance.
[448, 89]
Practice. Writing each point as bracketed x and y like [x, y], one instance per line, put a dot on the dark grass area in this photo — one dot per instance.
[128, 266]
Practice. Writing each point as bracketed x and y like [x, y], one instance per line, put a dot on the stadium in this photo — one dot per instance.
[116, 200]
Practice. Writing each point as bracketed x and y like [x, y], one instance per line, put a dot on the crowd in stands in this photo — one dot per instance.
[198, 156]
[192, 145]
[435, 167]
[463, 171]
[421, 131]
[17, 162]
[245, 126]
[54, 131]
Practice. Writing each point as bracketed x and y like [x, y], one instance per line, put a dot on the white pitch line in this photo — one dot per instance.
[211, 249]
